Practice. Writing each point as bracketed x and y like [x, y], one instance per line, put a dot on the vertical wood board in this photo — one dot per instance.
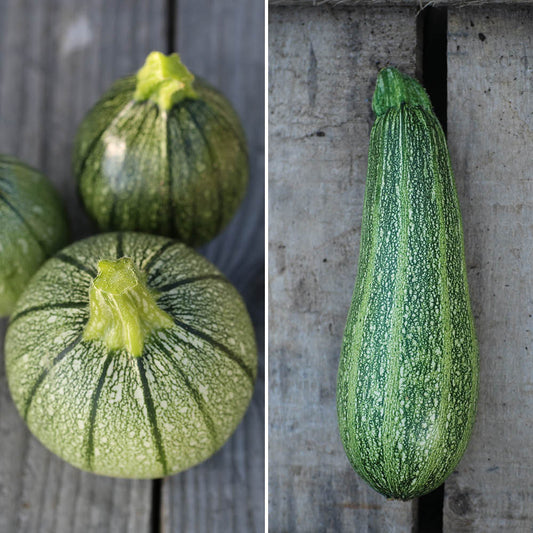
[223, 42]
[56, 59]
[323, 65]
[490, 132]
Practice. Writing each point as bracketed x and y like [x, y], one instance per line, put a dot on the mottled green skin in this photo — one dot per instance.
[408, 376]
[394, 88]
[33, 226]
[118, 415]
[181, 173]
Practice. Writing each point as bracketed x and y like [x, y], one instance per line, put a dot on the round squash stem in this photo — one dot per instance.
[123, 311]
[164, 80]
[394, 88]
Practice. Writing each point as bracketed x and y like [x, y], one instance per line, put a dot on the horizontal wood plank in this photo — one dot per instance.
[420, 4]
[490, 132]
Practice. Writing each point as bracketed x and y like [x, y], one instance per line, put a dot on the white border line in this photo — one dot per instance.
[266, 263]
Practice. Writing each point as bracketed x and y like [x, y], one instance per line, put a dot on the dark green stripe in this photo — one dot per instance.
[150, 409]
[146, 149]
[216, 170]
[122, 174]
[204, 336]
[89, 445]
[226, 124]
[171, 213]
[157, 255]
[48, 307]
[75, 263]
[44, 373]
[186, 281]
[89, 151]
[117, 177]
[111, 224]
[217, 106]
[186, 147]
[120, 245]
[107, 103]
[202, 406]
[26, 225]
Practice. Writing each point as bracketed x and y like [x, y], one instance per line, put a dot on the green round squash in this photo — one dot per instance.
[33, 227]
[130, 355]
[162, 152]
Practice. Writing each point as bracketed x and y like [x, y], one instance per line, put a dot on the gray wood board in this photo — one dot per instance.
[420, 4]
[323, 65]
[226, 493]
[56, 59]
[490, 131]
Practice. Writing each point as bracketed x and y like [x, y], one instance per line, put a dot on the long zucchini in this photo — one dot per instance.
[408, 375]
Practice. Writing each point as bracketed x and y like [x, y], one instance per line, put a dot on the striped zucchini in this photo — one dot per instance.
[162, 152]
[408, 375]
[33, 226]
[130, 355]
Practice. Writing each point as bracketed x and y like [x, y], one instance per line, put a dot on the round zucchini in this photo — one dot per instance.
[130, 355]
[33, 223]
[162, 152]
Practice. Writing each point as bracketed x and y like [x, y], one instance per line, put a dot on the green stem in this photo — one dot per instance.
[123, 310]
[394, 88]
[164, 80]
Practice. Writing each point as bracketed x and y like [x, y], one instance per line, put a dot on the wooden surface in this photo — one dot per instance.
[323, 65]
[420, 4]
[56, 59]
[490, 131]
[231, 56]
[55, 63]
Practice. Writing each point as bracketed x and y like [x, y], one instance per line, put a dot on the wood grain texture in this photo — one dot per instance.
[323, 65]
[420, 4]
[490, 132]
[57, 57]
[223, 42]
[230, 56]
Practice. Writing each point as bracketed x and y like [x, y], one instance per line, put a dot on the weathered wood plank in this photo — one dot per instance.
[490, 131]
[323, 65]
[397, 3]
[56, 58]
[231, 57]
[223, 42]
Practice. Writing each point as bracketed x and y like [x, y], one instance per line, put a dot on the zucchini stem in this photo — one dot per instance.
[394, 88]
[123, 310]
[164, 80]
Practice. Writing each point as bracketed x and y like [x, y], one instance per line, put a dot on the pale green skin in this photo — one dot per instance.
[108, 411]
[408, 374]
[33, 226]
